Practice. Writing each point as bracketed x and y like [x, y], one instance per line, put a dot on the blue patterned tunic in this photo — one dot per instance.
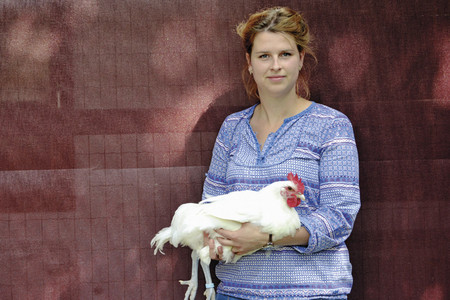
[317, 144]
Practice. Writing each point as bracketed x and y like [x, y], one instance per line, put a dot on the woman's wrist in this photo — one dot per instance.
[269, 241]
[300, 238]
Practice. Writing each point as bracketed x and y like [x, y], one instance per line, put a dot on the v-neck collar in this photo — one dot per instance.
[272, 137]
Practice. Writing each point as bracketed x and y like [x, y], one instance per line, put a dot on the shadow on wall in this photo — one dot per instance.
[103, 136]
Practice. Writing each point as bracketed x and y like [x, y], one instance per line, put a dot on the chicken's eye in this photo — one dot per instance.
[290, 188]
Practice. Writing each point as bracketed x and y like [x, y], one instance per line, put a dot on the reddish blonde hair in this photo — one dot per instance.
[277, 20]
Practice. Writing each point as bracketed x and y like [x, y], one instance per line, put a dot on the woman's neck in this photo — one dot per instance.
[275, 111]
[268, 116]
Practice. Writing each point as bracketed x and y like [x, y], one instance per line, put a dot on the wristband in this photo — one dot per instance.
[270, 242]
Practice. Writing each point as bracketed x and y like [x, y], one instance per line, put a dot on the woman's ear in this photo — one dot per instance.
[249, 61]
[302, 57]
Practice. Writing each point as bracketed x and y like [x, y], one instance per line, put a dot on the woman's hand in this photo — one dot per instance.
[249, 238]
[246, 239]
[212, 252]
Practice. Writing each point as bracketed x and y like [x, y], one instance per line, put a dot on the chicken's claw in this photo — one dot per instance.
[210, 293]
[192, 289]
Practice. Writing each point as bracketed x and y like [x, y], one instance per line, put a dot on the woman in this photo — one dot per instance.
[284, 132]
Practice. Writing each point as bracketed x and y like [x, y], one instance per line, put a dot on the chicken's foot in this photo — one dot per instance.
[209, 292]
[193, 282]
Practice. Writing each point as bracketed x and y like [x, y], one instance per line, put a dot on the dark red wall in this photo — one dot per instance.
[109, 111]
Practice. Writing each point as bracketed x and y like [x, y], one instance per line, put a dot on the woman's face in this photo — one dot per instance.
[275, 63]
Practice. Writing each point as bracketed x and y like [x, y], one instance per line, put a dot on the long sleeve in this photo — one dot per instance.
[215, 182]
[331, 221]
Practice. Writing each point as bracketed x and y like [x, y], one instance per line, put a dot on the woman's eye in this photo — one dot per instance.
[286, 54]
[263, 56]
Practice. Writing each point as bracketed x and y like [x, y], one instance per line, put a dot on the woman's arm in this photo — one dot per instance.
[250, 238]
[215, 182]
[331, 221]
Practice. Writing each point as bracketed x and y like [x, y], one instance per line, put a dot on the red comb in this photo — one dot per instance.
[298, 182]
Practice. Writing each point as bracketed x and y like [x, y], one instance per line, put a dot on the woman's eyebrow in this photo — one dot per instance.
[267, 51]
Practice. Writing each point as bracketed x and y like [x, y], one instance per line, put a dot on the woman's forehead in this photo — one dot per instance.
[267, 40]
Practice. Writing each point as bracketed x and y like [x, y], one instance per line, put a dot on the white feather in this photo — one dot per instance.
[265, 208]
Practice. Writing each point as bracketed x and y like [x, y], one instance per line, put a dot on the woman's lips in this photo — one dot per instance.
[276, 78]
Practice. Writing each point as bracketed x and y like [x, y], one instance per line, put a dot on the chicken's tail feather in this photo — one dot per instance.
[162, 237]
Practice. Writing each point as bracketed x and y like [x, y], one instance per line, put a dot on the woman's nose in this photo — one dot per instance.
[275, 65]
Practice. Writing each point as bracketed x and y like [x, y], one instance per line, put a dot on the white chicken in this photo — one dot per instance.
[272, 208]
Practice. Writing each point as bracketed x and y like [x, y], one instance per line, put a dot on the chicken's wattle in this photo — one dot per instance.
[293, 201]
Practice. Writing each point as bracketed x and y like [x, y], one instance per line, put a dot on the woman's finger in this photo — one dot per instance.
[211, 245]
[212, 250]
[225, 241]
[205, 238]
[225, 233]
